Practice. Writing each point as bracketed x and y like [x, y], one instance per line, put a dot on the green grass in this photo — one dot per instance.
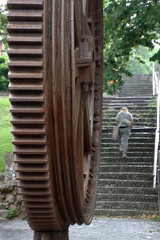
[5, 131]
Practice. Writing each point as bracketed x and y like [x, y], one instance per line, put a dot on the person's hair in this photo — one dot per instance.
[124, 109]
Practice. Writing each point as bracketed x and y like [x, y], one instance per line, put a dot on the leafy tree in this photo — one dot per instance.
[4, 58]
[139, 60]
[3, 25]
[127, 24]
[4, 72]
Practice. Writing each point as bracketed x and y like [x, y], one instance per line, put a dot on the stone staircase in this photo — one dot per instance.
[125, 184]
[137, 85]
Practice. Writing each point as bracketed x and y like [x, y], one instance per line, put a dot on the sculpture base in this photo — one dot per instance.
[51, 235]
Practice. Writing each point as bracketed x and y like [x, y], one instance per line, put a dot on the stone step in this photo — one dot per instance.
[118, 98]
[124, 212]
[114, 154]
[127, 191]
[107, 115]
[136, 125]
[137, 89]
[142, 135]
[139, 120]
[137, 129]
[142, 123]
[124, 183]
[127, 197]
[127, 100]
[110, 112]
[129, 105]
[135, 85]
[133, 144]
[126, 176]
[134, 94]
[132, 147]
[111, 118]
[136, 82]
[131, 102]
[138, 77]
[137, 150]
[126, 168]
[113, 162]
[134, 129]
[131, 139]
[140, 87]
[131, 160]
[133, 109]
[127, 205]
[140, 138]
[139, 92]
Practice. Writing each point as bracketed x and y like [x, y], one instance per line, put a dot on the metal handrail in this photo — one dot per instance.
[156, 91]
[155, 80]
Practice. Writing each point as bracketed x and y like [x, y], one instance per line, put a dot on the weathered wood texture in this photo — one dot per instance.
[51, 235]
[55, 61]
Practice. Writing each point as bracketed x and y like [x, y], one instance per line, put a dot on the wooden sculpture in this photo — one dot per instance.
[55, 61]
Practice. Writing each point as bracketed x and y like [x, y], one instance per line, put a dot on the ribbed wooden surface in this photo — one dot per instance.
[56, 110]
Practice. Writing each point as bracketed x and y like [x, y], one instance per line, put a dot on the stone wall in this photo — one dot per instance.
[9, 198]
[4, 93]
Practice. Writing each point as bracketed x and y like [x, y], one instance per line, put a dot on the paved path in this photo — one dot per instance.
[100, 229]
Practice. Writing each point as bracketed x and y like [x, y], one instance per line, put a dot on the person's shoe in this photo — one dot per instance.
[121, 149]
[124, 155]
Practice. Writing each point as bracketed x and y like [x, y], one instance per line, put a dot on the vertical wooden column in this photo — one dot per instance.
[37, 236]
[51, 235]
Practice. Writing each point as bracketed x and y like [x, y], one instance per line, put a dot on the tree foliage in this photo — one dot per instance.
[4, 58]
[3, 24]
[4, 72]
[127, 24]
[139, 60]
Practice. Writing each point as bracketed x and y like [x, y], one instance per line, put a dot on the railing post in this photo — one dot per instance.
[155, 158]
[159, 182]
[156, 90]
[153, 81]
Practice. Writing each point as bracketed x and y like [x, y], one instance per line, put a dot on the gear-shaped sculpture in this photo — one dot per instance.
[55, 60]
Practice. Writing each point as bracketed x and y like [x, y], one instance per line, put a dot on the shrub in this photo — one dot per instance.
[4, 73]
[11, 213]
